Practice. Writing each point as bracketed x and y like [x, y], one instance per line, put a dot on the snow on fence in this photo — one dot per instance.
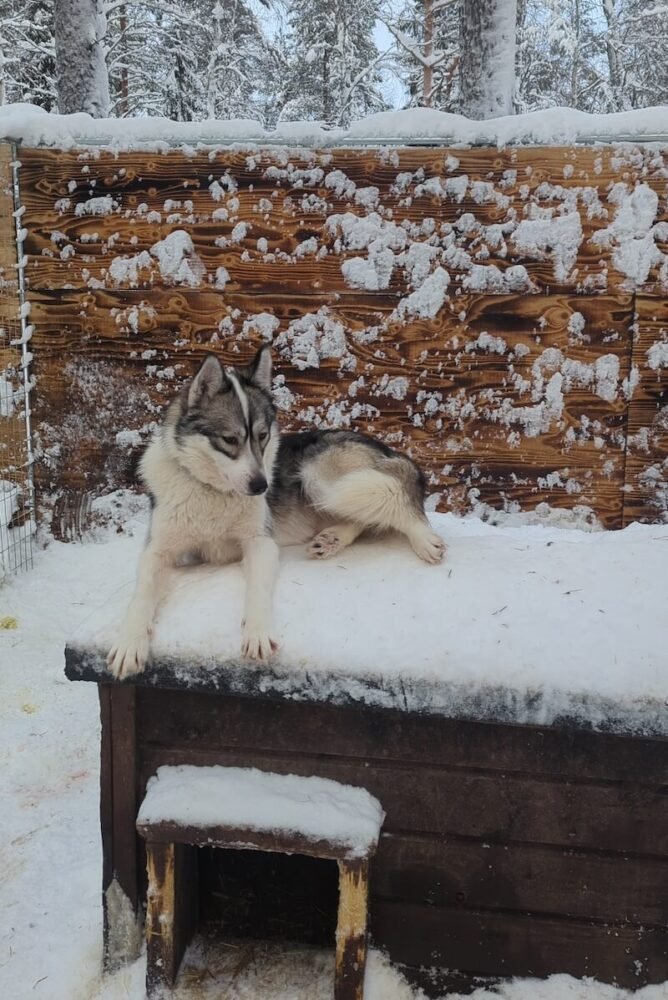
[16, 496]
[500, 313]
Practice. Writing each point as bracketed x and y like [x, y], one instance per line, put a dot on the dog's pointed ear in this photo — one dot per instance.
[209, 380]
[259, 370]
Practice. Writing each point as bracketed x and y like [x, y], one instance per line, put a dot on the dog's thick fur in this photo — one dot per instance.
[225, 485]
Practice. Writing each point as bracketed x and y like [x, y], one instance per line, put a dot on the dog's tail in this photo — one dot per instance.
[368, 497]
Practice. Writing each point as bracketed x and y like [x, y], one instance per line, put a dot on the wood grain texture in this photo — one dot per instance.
[13, 446]
[512, 393]
[646, 476]
[171, 912]
[459, 409]
[285, 196]
[351, 930]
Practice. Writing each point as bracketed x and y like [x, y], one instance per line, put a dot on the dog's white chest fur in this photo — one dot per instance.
[194, 518]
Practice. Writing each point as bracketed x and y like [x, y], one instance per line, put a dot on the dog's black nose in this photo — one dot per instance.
[257, 485]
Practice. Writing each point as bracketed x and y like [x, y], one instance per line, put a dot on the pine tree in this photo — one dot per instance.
[155, 54]
[274, 84]
[636, 50]
[559, 55]
[189, 59]
[334, 75]
[27, 52]
[236, 54]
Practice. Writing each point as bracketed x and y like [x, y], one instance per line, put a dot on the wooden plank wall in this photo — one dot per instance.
[9, 298]
[539, 375]
[14, 466]
[506, 850]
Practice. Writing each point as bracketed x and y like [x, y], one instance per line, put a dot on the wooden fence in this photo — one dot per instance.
[501, 314]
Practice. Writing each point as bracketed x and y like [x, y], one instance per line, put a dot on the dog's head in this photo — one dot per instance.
[226, 433]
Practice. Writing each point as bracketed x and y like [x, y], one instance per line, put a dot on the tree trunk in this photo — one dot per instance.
[612, 46]
[487, 68]
[428, 71]
[575, 68]
[124, 105]
[81, 70]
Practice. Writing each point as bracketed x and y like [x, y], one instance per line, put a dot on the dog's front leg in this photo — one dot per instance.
[260, 561]
[130, 652]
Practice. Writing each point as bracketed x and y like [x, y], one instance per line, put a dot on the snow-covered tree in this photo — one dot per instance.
[559, 55]
[334, 62]
[236, 52]
[273, 89]
[427, 37]
[27, 53]
[487, 57]
[636, 50]
[81, 70]
[189, 59]
[155, 55]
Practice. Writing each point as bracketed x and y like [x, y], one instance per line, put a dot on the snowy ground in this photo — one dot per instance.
[50, 930]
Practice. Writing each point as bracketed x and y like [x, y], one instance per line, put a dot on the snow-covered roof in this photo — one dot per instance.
[530, 625]
[416, 126]
[245, 799]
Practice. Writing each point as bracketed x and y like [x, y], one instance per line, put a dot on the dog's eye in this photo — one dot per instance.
[262, 436]
[231, 440]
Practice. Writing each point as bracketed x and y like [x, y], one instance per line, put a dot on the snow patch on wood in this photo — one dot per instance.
[125, 931]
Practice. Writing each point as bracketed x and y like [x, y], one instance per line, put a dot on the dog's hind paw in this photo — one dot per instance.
[325, 544]
[429, 546]
[257, 644]
[129, 655]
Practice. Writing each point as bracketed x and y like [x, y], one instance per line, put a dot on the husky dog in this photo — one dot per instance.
[225, 486]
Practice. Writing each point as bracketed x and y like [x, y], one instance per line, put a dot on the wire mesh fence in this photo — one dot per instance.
[17, 515]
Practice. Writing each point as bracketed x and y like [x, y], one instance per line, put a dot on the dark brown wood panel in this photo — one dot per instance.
[492, 944]
[470, 803]
[123, 874]
[188, 719]
[123, 792]
[520, 851]
[530, 878]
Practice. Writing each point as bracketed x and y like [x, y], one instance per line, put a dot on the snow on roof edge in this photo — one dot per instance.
[495, 703]
[32, 126]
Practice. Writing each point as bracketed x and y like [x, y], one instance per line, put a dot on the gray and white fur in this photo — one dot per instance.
[225, 486]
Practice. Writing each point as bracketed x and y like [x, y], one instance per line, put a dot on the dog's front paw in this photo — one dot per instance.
[256, 643]
[429, 546]
[129, 655]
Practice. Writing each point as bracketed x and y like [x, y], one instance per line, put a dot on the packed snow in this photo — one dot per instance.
[252, 800]
[51, 932]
